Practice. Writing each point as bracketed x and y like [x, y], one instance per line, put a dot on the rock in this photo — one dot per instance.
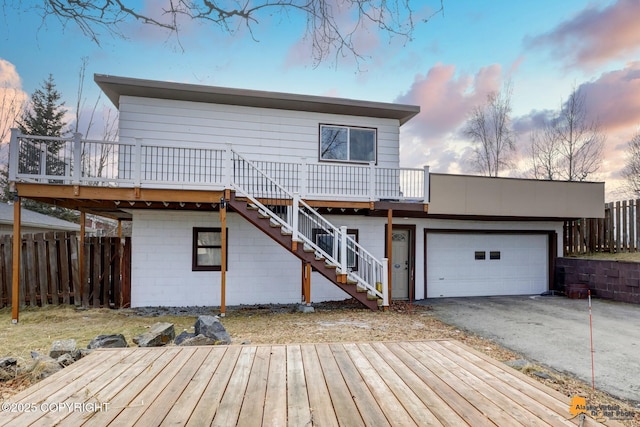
[108, 341]
[158, 335]
[65, 360]
[210, 327]
[84, 352]
[196, 340]
[60, 347]
[517, 364]
[7, 362]
[542, 375]
[44, 366]
[182, 336]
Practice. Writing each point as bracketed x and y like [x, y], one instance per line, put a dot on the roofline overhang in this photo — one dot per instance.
[115, 87]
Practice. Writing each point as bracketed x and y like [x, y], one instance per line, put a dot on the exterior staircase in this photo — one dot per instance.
[291, 222]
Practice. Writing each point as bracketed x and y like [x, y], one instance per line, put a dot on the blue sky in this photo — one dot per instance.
[544, 48]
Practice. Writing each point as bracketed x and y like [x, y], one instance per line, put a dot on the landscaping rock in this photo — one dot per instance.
[60, 347]
[108, 341]
[7, 362]
[44, 366]
[65, 360]
[210, 327]
[158, 335]
[197, 340]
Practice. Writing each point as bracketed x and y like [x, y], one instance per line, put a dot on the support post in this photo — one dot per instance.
[426, 184]
[137, 163]
[17, 246]
[295, 214]
[83, 232]
[14, 149]
[372, 181]
[77, 158]
[343, 250]
[223, 257]
[389, 251]
[307, 282]
[386, 288]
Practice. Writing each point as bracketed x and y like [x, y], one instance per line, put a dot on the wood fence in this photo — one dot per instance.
[50, 271]
[618, 231]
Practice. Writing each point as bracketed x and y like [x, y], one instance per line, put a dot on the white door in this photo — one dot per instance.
[400, 264]
[467, 264]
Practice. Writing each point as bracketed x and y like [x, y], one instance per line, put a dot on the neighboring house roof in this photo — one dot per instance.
[36, 220]
[115, 87]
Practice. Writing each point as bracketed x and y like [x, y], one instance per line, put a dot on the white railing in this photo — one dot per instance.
[138, 163]
[305, 225]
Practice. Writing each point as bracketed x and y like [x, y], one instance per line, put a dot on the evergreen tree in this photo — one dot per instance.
[44, 116]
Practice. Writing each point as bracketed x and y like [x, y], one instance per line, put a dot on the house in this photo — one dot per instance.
[242, 197]
[33, 222]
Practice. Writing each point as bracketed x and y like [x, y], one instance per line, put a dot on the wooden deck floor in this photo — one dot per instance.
[346, 384]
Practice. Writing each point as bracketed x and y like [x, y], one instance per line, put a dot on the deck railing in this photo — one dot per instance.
[138, 163]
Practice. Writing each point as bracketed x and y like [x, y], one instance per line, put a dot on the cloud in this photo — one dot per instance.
[12, 98]
[594, 36]
[445, 99]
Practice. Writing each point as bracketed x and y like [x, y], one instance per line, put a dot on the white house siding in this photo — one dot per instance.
[260, 270]
[258, 133]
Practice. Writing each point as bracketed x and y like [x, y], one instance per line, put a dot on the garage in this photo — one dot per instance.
[463, 263]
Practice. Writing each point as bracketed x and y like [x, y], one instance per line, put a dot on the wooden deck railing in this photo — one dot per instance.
[618, 231]
[138, 163]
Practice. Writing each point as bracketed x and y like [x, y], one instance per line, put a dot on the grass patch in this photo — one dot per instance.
[607, 256]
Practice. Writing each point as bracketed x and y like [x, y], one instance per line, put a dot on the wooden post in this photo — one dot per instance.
[83, 232]
[390, 251]
[307, 282]
[15, 279]
[223, 258]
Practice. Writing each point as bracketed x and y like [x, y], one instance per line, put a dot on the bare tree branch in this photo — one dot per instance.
[489, 128]
[570, 145]
[326, 26]
[631, 172]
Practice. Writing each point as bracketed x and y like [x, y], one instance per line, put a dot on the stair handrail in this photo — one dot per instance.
[375, 269]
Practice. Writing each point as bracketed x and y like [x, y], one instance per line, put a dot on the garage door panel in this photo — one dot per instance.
[453, 270]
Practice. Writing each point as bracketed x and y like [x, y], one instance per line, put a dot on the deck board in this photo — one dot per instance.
[437, 382]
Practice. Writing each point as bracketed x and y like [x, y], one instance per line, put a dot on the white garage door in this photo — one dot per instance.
[466, 264]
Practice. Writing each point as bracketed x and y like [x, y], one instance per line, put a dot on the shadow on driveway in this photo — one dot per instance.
[554, 331]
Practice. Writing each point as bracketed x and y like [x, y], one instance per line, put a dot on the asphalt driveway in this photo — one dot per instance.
[554, 331]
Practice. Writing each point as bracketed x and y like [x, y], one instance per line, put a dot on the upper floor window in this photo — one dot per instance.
[347, 144]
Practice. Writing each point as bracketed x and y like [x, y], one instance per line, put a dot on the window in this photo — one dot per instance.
[325, 241]
[479, 255]
[207, 249]
[494, 255]
[347, 144]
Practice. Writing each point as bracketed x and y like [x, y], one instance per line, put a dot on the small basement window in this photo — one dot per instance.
[207, 249]
[480, 255]
[348, 144]
[494, 255]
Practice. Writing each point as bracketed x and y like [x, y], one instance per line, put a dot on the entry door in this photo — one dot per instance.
[400, 263]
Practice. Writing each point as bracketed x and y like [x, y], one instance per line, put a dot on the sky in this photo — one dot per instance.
[452, 62]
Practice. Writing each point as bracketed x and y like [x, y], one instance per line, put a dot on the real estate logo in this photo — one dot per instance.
[600, 413]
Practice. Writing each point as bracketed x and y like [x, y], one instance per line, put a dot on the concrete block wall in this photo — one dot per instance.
[615, 280]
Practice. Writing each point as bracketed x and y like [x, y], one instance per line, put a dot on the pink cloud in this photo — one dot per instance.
[445, 99]
[595, 35]
[12, 98]
[614, 98]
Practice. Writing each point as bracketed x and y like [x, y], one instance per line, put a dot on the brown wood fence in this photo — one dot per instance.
[50, 271]
[618, 231]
